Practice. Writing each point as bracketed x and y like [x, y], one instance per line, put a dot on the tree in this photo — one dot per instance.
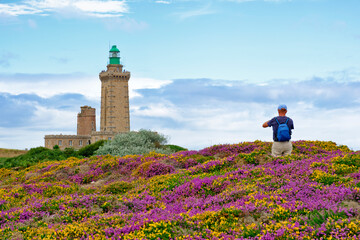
[141, 142]
[90, 150]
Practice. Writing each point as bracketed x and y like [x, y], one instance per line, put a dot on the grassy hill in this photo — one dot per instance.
[6, 153]
[222, 192]
[41, 154]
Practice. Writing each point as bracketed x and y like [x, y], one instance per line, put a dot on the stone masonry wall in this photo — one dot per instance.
[115, 116]
[66, 141]
[86, 121]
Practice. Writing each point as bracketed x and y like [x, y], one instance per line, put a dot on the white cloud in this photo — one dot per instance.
[336, 125]
[194, 12]
[195, 113]
[21, 138]
[145, 83]
[218, 124]
[167, 110]
[48, 4]
[47, 85]
[18, 9]
[228, 124]
[94, 8]
[199, 113]
[101, 6]
[54, 119]
[88, 86]
[44, 121]
[163, 2]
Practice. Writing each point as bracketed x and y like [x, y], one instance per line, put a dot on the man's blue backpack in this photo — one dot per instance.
[283, 133]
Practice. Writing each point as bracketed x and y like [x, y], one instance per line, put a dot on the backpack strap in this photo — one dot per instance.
[285, 122]
[277, 121]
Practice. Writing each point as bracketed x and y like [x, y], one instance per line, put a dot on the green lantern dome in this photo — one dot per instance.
[114, 55]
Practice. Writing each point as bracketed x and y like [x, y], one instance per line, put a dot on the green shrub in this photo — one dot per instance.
[249, 158]
[202, 159]
[89, 150]
[42, 154]
[176, 148]
[349, 159]
[141, 142]
[37, 155]
[33, 156]
[69, 152]
[328, 178]
[118, 187]
[316, 219]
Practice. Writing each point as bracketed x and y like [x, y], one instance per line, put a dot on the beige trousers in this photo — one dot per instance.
[281, 149]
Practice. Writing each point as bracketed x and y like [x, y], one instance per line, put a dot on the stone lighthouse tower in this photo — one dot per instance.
[115, 116]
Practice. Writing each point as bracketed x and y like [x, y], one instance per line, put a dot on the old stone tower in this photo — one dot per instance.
[114, 96]
[115, 116]
[86, 121]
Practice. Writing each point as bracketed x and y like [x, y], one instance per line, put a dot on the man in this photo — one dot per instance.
[282, 146]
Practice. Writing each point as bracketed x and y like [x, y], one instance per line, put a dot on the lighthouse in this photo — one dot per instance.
[115, 115]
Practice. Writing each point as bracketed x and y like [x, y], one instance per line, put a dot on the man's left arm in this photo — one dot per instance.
[266, 124]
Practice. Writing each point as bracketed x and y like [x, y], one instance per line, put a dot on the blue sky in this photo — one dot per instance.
[203, 72]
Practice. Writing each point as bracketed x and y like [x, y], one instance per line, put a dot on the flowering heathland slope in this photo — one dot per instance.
[222, 192]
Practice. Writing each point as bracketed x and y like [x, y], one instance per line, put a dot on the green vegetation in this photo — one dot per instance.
[315, 218]
[6, 153]
[141, 142]
[42, 154]
[33, 156]
[118, 187]
[229, 191]
[90, 150]
[176, 148]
